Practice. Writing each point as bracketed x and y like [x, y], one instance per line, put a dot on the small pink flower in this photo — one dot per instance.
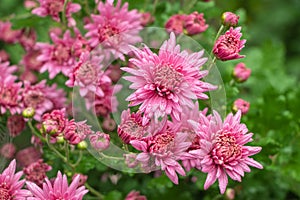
[147, 19]
[10, 184]
[176, 23]
[36, 172]
[167, 81]
[242, 105]
[54, 123]
[241, 73]
[7, 34]
[27, 38]
[30, 60]
[4, 56]
[27, 156]
[135, 195]
[15, 125]
[195, 23]
[130, 160]
[82, 179]
[109, 124]
[99, 141]
[6, 71]
[8, 150]
[230, 19]
[114, 29]
[229, 45]
[59, 189]
[75, 132]
[29, 4]
[230, 194]
[223, 151]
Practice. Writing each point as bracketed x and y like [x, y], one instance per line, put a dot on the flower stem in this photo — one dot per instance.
[154, 6]
[33, 130]
[64, 17]
[94, 192]
[217, 36]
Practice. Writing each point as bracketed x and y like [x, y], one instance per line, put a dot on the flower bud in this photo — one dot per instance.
[195, 23]
[82, 145]
[229, 194]
[100, 141]
[241, 105]
[230, 19]
[60, 139]
[28, 112]
[241, 73]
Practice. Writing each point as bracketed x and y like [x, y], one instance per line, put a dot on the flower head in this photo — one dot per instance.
[59, 189]
[8, 150]
[54, 123]
[135, 195]
[229, 45]
[230, 19]
[242, 105]
[27, 156]
[223, 151]
[7, 34]
[195, 23]
[175, 23]
[15, 125]
[165, 82]
[36, 172]
[10, 184]
[99, 141]
[241, 73]
[75, 132]
[114, 28]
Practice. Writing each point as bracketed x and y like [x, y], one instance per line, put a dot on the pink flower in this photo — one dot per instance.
[36, 172]
[114, 73]
[58, 57]
[241, 73]
[135, 195]
[114, 28]
[29, 76]
[195, 23]
[165, 82]
[99, 141]
[54, 123]
[27, 38]
[130, 160]
[164, 148]
[59, 189]
[4, 56]
[42, 98]
[230, 19]
[10, 184]
[75, 132]
[7, 70]
[242, 105]
[109, 124]
[223, 151]
[131, 127]
[175, 24]
[147, 18]
[7, 34]
[27, 156]
[82, 178]
[30, 60]
[54, 8]
[8, 150]
[15, 125]
[228, 46]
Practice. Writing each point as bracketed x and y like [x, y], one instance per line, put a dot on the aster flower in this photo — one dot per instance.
[166, 146]
[167, 81]
[36, 172]
[195, 23]
[6, 70]
[59, 189]
[27, 38]
[30, 60]
[10, 184]
[229, 45]
[223, 151]
[230, 19]
[57, 57]
[54, 8]
[114, 28]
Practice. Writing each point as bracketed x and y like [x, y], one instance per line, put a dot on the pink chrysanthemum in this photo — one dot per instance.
[7, 71]
[55, 7]
[229, 45]
[7, 34]
[15, 125]
[42, 98]
[76, 132]
[195, 23]
[10, 185]
[59, 189]
[167, 81]
[58, 57]
[223, 151]
[114, 28]
[135, 195]
[30, 60]
[166, 146]
[55, 123]
[176, 23]
[242, 105]
[36, 172]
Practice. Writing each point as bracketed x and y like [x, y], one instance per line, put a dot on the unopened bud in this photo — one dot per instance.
[82, 145]
[230, 19]
[28, 112]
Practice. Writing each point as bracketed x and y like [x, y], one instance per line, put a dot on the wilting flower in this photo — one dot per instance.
[223, 151]
[114, 29]
[8, 150]
[7, 34]
[27, 156]
[229, 45]
[135, 195]
[15, 125]
[230, 19]
[36, 172]
[54, 8]
[99, 141]
[165, 82]
[241, 73]
[164, 148]
[195, 23]
[10, 184]
[59, 189]
[175, 24]
[242, 105]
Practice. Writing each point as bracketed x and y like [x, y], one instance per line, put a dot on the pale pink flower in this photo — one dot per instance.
[27, 38]
[130, 160]
[164, 148]
[10, 184]
[7, 34]
[59, 189]
[229, 45]
[8, 150]
[241, 73]
[230, 19]
[109, 124]
[242, 105]
[175, 24]
[7, 70]
[99, 141]
[15, 125]
[27, 156]
[115, 28]
[29, 76]
[147, 19]
[54, 8]
[131, 127]
[30, 60]
[195, 23]
[36, 172]
[4, 56]
[59, 56]
[42, 98]
[223, 151]
[165, 82]
[135, 195]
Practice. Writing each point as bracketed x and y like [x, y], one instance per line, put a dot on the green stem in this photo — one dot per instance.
[212, 63]
[56, 151]
[86, 7]
[67, 151]
[64, 17]
[154, 6]
[217, 36]
[94, 192]
[16, 17]
[78, 160]
[33, 130]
